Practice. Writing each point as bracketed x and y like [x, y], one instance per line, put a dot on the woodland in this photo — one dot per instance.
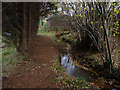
[55, 35]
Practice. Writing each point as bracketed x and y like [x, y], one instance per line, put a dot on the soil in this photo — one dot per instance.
[35, 72]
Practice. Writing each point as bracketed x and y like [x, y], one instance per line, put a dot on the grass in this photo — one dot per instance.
[46, 30]
[8, 53]
[10, 57]
[42, 31]
[52, 31]
[55, 38]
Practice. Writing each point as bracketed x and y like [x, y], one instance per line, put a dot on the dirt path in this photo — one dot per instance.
[36, 72]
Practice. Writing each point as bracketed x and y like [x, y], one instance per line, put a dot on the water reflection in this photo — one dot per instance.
[72, 70]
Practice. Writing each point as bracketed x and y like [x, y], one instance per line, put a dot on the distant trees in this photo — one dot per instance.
[99, 20]
[20, 20]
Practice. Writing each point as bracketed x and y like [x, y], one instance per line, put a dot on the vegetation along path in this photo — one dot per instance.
[35, 72]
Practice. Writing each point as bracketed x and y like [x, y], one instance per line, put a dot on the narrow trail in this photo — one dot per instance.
[36, 72]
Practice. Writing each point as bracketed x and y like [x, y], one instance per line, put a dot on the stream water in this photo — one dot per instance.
[72, 70]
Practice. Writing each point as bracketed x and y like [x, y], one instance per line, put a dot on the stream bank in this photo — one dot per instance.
[69, 60]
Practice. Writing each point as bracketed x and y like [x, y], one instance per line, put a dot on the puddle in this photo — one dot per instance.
[72, 70]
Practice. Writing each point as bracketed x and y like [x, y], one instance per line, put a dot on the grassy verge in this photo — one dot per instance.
[10, 57]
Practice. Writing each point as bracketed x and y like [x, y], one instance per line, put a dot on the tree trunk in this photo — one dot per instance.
[23, 42]
[108, 46]
[29, 29]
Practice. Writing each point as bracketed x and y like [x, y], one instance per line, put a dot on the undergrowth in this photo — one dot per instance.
[10, 57]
